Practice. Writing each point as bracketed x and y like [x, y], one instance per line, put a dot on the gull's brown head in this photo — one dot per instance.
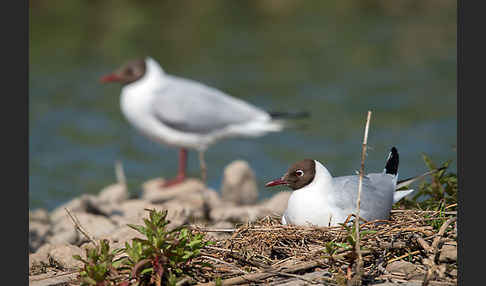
[128, 73]
[297, 176]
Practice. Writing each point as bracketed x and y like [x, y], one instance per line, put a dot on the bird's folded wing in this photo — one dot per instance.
[376, 188]
[192, 107]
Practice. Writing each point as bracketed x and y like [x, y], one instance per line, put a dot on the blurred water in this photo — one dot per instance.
[336, 60]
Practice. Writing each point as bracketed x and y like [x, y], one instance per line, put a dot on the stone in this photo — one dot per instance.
[319, 277]
[408, 283]
[238, 214]
[152, 185]
[453, 272]
[402, 267]
[220, 235]
[63, 231]
[96, 225]
[37, 234]
[76, 205]
[133, 212]
[39, 215]
[448, 253]
[239, 184]
[122, 234]
[48, 279]
[40, 256]
[63, 235]
[63, 255]
[113, 194]
[156, 194]
[277, 203]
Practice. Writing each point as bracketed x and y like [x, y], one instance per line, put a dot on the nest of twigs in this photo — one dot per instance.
[266, 252]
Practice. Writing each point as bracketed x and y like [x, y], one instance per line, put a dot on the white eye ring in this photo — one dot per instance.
[299, 173]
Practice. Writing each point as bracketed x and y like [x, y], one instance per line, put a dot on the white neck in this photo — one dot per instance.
[154, 77]
[322, 178]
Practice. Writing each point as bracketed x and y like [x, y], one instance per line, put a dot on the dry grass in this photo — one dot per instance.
[266, 251]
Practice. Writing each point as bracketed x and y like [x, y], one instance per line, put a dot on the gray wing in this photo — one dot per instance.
[189, 106]
[376, 194]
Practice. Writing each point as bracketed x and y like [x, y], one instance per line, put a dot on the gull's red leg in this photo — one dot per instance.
[181, 173]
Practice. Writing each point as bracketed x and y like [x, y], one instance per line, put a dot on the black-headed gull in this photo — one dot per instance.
[184, 113]
[319, 199]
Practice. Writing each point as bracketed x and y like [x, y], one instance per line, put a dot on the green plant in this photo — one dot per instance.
[100, 266]
[351, 236]
[436, 220]
[440, 191]
[160, 259]
[333, 247]
[165, 255]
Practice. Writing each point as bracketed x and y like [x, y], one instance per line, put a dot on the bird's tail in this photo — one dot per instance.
[286, 119]
[391, 166]
[289, 115]
[406, 182]
[398, 195]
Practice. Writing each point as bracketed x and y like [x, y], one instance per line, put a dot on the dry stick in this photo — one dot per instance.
[55, 275]
[78, 226]
[403, 256]
[359, 264]
[406, 211]
[225, 263]
[434, 249]
[253, 277]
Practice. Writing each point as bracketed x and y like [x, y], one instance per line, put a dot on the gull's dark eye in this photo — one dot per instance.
[129, 71]
[299, 173]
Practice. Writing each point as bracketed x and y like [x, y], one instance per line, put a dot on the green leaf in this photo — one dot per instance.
[365, 232]
[89, 280]
[138, 228]
[147, 270]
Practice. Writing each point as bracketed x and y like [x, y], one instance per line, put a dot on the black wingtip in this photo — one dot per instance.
[391, 166]
[289, 115]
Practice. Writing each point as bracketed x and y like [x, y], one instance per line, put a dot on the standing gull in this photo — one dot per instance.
[322, 200]
[183, 113]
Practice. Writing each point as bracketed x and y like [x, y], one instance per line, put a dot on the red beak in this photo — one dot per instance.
[109, 78]
[275, 183]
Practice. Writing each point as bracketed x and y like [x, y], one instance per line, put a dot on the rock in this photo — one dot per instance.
[319, 277]
[448, 253]
[96, 225]
[220, 225]
[62, 235]
[76, 205]
[239, 185]
[113, 194]
[403, 267]
[39, 215]
[63, 255]
[124, 233]
[46, 279]
[154, 193]
[133, 212]
[37, 234]
[156, 184]
[63, 231]
[408, 283]
[212, 198]
[40, 256]
[278, 203]
[453, 272]
[239, 214]
[192, 195]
